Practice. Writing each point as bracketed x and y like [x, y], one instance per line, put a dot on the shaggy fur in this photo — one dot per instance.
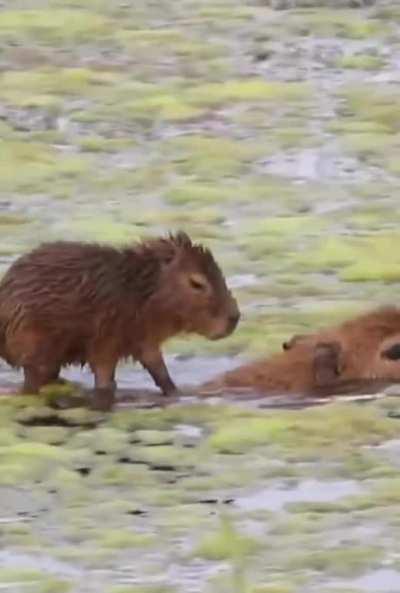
[360, 351]
[69, 302]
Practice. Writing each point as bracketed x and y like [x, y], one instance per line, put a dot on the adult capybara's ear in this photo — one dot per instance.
[392, 353]
[326, 363]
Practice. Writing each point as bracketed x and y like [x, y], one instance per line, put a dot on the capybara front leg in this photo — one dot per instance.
[154, 363]
[55, 378]
[37, 376]
[105, 386]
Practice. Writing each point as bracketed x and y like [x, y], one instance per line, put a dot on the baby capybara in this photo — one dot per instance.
[71, 302]
[360, 351]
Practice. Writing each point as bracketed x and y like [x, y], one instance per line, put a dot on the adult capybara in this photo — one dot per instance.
[71, 302]
[356, 353]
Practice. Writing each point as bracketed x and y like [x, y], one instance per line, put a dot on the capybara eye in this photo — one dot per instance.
[392, 353]
[197, 282]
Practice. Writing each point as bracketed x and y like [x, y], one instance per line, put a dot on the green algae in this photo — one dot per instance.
[20, 536]
[365, 271]
[131, 420]
[8, 436]
[227, 543]
[340, 426]
[34, 580]
[361, 62]
[356, 126]
[155, 437]
[198, 193]
[211, 157]
[100, 144]
[372, 104]
[66, 481]
[31, 166]
[315, 508]
[298, 523]
[167, 455]
[51, 435]
[356, 259]
[103, 229]
[335, 22]
[290, 137]
[54, 585]
[151, 36]
[53, 26]
[251, 90]
[166, 107]
[47, 82]
[9, 575]
[278, 587]
[369, 146]
[273, 235]
[81, 417]
[343, 561]
[107, 439]
[385, 492]
[113, 474]
[32, 451]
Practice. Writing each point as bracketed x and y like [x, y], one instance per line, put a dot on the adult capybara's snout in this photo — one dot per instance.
[226, 321]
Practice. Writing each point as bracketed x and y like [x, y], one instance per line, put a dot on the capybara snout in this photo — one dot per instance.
[226, 323]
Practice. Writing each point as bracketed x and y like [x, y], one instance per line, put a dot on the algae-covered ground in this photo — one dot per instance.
[199, 497]
[270, 130]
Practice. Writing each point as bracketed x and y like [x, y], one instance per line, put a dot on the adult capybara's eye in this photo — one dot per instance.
[198, 282]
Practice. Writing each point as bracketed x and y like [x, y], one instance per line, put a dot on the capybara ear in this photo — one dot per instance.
[392, 353]
[167, 252]
[292, 342]
[326, 363]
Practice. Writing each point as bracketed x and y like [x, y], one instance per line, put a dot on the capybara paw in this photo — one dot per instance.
[27, 390]
[171, 392]
[102, 400]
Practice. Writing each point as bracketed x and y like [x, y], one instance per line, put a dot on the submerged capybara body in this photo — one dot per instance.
[76, 303]
[365, 350]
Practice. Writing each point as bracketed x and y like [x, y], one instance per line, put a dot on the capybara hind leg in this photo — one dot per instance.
[154, 363]
[105, 386]
[36, 377]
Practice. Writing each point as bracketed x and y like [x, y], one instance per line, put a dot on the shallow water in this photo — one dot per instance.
[275, 499]
[386, 580]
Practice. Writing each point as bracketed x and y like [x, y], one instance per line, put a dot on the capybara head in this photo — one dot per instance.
[359, 355]
[193, 285]
[366, 347]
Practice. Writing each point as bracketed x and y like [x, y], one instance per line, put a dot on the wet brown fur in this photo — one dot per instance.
[325, 362]
[76, 303]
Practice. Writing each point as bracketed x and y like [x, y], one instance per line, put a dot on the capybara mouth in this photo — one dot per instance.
[229, 329]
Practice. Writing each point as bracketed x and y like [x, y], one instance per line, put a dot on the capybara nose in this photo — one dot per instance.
[234, 319]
